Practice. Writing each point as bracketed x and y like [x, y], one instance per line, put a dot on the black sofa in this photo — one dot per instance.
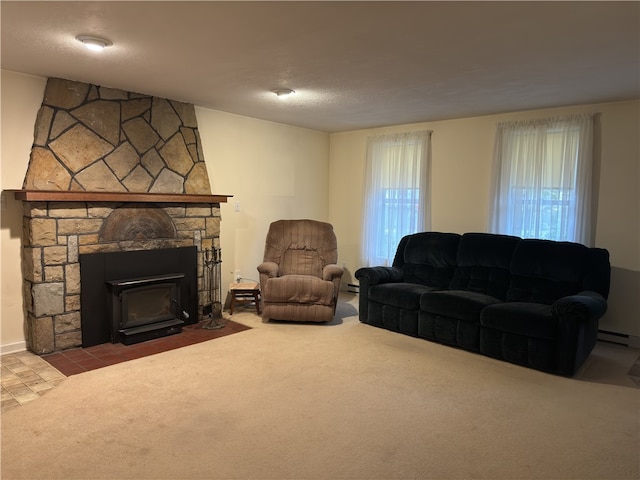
[535, 303]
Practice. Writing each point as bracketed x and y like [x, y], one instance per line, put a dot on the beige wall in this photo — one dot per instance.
[21, 96]
[277, 171]
[273, 171]
[462, 153]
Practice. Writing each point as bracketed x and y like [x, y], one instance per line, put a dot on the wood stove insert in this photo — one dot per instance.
[135, 296]
[145, 308]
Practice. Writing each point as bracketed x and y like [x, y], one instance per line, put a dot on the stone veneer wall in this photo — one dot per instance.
[95, 139]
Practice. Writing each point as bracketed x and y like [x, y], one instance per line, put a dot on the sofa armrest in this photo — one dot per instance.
[378, 275]
[578, 317]
[370, 276]
[587, 304]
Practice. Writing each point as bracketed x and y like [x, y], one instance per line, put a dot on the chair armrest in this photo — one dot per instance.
[331, 272]
[270, 269]
[378, 275]
[267, 270]
[587, 304]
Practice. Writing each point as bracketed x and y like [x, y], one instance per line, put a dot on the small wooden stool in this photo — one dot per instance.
[244, 293]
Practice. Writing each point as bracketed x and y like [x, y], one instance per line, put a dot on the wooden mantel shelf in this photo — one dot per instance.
[79, 196]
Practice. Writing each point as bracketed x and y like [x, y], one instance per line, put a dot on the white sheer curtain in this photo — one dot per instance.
[397, 193]
[542, 179]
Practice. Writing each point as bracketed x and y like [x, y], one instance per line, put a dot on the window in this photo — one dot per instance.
[396, 192]
[542, 179]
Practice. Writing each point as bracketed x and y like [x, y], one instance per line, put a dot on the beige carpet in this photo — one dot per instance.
[339, 401]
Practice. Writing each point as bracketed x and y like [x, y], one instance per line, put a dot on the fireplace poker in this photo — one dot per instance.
[213, 261]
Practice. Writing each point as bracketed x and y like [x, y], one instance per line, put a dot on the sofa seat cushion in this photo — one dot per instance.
[401, 295]
[458, 304]
[532, 320]
[305, 289]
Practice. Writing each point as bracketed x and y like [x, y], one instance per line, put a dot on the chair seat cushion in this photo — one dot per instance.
[401, 295]
[458, 304]
[533, 320]
[305, 289]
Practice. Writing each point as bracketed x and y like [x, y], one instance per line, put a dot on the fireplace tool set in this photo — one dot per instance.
[212, 264]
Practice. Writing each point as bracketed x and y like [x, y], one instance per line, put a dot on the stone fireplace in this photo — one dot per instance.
[110, 171]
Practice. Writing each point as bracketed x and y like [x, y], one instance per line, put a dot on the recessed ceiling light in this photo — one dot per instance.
[283, 92]
[95, 44]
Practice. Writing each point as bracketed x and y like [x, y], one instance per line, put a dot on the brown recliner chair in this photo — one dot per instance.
[299, 278]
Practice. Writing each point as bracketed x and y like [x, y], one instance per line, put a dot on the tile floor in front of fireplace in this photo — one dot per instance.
[26, 376]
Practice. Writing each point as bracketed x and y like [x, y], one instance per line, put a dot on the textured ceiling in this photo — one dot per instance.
[353, 64]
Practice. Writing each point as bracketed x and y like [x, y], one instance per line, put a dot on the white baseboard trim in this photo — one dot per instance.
[13, 347]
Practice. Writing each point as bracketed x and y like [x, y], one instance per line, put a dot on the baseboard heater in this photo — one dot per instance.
[632, 341]
[353, 288]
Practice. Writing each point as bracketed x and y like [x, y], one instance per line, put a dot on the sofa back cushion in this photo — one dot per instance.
[484, 261]
[542, 271]
[428, 258]
[598, 276]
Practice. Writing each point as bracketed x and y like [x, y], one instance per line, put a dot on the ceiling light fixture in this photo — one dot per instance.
[283, 92]
[95, 44]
